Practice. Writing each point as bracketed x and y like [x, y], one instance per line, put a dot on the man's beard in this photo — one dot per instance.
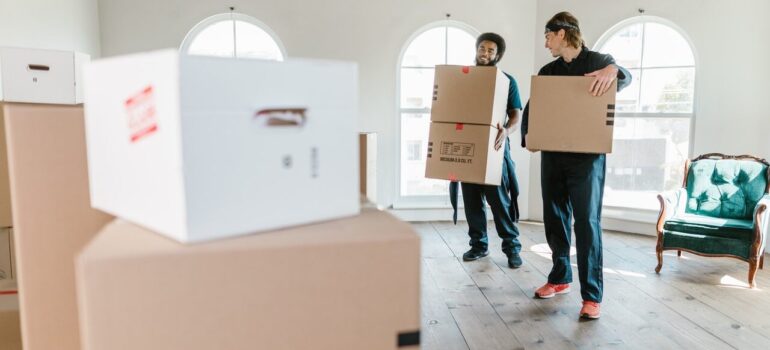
[491, 63]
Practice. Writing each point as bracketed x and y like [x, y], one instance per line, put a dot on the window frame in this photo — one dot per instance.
[610, 33]
[427, 201]
[184, 47]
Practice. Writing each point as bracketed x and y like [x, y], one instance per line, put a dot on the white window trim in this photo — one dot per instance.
[407, 202]
[198, 28]
[641, 214]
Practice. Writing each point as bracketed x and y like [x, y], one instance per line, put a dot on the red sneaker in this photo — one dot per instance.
[548, 290]
[590, 309]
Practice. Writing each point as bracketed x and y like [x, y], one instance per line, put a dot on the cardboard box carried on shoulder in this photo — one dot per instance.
[565, 117]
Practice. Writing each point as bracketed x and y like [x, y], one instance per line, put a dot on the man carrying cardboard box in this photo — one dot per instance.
[490, 48]
[574, 181]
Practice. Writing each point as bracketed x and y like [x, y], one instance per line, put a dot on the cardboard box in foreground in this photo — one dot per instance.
[352, 283]
[53, 218]
[565, 117]
[200, 148]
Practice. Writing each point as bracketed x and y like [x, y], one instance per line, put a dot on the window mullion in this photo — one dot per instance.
[235, 38]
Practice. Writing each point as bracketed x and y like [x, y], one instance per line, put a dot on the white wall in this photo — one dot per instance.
[371, 32]
[50, 24]
[732, 73]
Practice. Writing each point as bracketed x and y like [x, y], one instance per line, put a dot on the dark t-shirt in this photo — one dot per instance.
[586, 62]
[514, 101]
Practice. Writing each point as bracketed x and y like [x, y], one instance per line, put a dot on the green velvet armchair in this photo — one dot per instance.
[720, 211]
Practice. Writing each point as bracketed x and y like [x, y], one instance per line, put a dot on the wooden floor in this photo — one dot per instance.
[695, 303]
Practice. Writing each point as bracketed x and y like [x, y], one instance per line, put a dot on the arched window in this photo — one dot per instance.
[444, 42]
[654, 115]
[233, 35]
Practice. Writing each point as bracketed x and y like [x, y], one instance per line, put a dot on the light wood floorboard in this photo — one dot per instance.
[695, 302]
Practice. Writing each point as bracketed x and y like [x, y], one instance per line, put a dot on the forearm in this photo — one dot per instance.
[513, 120]
[624, 77]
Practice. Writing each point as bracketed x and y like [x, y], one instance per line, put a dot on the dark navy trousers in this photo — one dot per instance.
[504, 209]
[573, 184]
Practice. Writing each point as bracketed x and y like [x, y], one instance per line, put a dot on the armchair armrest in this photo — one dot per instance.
[761, 217]
[671, 202]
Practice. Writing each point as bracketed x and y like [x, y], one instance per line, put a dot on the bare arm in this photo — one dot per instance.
[507, 129]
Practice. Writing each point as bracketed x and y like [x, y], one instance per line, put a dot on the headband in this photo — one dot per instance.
[556, 25]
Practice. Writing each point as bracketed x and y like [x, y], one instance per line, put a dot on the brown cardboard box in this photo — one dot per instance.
[52, 218]
[5, 190]
[471, 95]
[345, 284]
[464, 152]
[10, 334]
[367, 157]
[565, 117]
[6, 258]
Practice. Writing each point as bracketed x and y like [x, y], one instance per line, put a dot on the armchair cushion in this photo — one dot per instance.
[711, 226]
[725, 188]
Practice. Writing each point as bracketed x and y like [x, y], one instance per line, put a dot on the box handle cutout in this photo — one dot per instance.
[281, 117]
[40, 67]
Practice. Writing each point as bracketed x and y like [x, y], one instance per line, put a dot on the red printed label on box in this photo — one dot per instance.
[141, 112]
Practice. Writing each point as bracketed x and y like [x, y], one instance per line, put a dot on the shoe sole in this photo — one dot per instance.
[587, 316]
[549, 296]
[467, 259]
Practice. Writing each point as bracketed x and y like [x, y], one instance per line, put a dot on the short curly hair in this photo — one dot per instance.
[495, 38]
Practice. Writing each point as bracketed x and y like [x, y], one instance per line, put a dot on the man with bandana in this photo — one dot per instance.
[502, 199]
[573, 183]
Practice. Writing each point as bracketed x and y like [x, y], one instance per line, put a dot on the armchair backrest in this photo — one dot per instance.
[725, 186]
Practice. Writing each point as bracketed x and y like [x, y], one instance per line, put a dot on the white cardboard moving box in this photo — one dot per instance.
[41, 76]
[199, 148]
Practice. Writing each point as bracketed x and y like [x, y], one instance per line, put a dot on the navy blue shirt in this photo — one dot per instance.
[586, 62]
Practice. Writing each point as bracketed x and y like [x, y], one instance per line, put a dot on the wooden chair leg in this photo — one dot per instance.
[761, 261]
[753, 265]
[678, 253]
[659, 253]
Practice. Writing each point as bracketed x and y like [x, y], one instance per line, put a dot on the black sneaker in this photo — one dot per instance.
[514, 260]
[475, 254]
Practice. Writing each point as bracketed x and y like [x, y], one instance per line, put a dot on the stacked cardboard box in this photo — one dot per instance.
[44, 189]
[205, 149]
[345, 284]
[560, 105]
[34, 76]
[7, 268]
[53, 218]
[468, 105]
[200, 148]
